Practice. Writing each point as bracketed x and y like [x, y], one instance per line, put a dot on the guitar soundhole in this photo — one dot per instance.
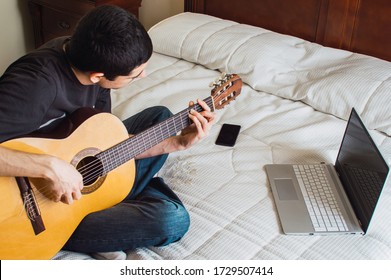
[91, 169]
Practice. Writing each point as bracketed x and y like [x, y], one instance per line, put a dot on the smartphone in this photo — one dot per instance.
[228, 135]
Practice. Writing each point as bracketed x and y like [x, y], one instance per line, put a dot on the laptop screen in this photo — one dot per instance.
[361, 168]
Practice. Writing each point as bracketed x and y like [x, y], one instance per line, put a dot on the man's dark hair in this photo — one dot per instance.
[110, 40]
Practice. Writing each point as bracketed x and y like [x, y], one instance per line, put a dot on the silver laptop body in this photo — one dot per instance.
[338, 199]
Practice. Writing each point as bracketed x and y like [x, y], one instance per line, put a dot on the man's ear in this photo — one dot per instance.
[96, 76]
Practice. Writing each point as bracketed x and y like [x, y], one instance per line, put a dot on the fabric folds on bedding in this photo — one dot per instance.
[327, 79]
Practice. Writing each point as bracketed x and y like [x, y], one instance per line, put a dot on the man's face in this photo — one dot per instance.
[121, 81]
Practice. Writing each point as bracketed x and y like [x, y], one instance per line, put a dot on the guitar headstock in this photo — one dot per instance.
[225, 89]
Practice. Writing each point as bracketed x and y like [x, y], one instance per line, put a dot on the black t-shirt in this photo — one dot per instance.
[40, 88]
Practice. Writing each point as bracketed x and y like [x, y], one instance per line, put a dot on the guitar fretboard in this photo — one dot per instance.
[143, 141]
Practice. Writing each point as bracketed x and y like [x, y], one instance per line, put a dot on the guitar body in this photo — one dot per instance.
[17, 237]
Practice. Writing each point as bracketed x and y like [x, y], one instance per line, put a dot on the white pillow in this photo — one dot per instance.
[329, 80]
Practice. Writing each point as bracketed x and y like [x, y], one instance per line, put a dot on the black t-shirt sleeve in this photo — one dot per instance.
[25, 98]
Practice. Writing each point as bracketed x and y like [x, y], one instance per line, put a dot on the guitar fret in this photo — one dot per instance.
[175, 129]
[165, 132]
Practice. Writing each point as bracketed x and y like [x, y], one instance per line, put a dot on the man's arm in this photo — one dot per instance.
[61, 179]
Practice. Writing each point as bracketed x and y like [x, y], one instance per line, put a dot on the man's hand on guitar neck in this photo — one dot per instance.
[199, 129]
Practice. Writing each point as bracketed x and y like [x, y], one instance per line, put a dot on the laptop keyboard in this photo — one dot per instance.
[321, 204]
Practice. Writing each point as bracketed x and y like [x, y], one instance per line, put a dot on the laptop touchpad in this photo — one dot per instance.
[286, 189]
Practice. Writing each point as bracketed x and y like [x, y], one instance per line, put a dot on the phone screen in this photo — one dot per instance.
[228, 135]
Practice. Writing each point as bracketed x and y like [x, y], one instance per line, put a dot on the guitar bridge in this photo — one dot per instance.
[30, 204]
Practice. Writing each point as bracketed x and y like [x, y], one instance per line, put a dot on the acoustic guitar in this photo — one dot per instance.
[32, 226]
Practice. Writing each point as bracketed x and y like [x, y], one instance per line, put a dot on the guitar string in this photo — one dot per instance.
[41, 197]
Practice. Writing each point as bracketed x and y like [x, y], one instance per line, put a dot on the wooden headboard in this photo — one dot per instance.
[362, 26]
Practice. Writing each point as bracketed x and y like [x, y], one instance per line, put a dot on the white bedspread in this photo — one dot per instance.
[293, 108]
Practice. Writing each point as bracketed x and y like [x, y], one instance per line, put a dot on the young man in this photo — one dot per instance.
[108, 50]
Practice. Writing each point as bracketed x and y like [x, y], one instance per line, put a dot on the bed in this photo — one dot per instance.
[303, 67]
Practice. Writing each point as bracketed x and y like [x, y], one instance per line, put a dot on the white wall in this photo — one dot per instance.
[16, 30]
[153, 11]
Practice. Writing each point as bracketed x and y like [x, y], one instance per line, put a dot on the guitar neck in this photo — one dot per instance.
[143, 141]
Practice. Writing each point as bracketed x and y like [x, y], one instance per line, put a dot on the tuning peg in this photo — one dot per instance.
[216, 82]
[220, 80]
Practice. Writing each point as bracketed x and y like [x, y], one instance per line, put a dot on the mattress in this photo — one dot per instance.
[293, 107]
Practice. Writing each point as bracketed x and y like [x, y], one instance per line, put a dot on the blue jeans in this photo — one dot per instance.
[151, 215]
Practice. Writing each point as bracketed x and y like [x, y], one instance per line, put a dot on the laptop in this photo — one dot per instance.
[319, 199]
